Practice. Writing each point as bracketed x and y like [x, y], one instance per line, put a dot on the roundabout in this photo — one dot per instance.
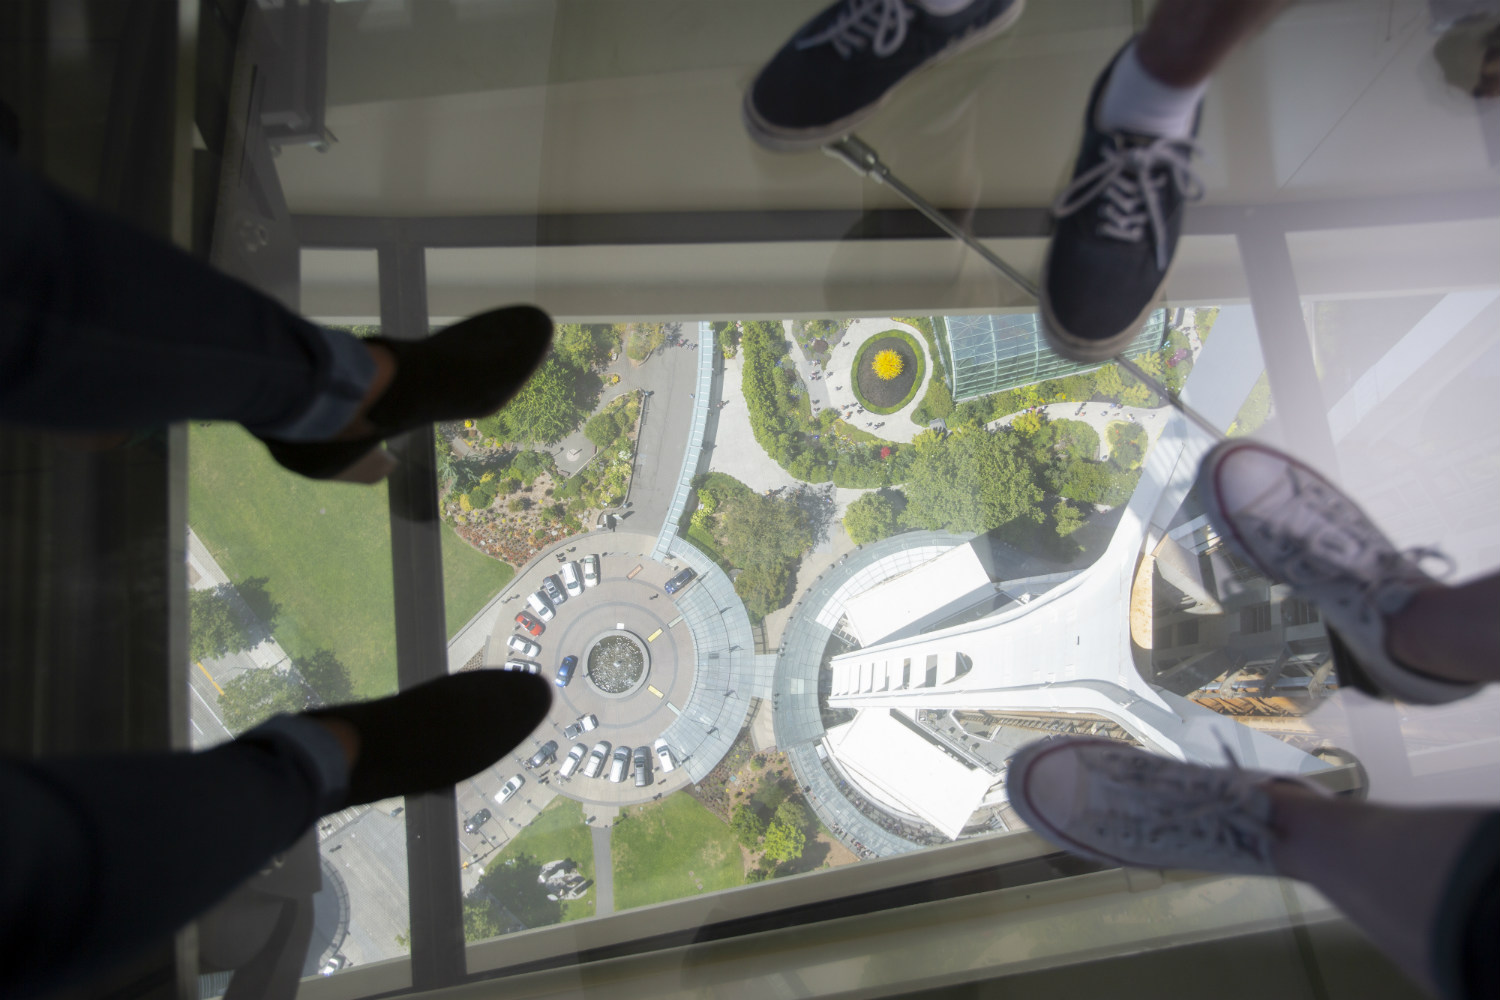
[635, 672]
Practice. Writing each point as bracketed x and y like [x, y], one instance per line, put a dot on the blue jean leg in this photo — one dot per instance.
[105, 327]
[100, 857]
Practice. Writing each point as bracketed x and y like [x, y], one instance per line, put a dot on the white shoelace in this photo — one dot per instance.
[1131, 191]
[881, 24]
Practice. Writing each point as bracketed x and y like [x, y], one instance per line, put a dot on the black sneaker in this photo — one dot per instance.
[1116, 231]
[843, 63]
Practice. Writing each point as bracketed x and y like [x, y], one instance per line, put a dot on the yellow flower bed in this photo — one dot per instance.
[887, 365]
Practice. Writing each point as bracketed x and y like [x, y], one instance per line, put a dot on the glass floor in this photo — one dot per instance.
[845, 599]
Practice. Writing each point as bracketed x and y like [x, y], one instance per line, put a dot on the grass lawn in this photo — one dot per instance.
[323, 550]
[666, 849]
[557, 832]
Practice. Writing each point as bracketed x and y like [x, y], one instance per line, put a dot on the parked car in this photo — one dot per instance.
[524, 666]
[664, 755]
[511, 787]
[545, 754]
[529, 623]
[570, 579]
[334, 964]
[619, 763]
[642, 766]
[554, 590]
[597, 758]
[576, 728]
[565, 670]
[574, 758]
[543, 607]
[590, 571]
[524, 646]
[474, 822]
[680, 580]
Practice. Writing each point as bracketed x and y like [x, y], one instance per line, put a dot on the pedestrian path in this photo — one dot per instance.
[838, 382]
[604, 872]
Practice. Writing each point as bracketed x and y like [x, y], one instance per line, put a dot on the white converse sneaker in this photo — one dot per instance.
[1115, 803]
[1298, 528]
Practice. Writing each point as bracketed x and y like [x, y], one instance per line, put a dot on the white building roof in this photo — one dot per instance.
[897, 603]
[893, 763]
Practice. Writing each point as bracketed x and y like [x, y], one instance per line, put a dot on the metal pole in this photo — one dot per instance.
[860, 157]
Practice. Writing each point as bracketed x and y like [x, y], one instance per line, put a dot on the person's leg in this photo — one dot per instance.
[1414, 880]
[1451, 632]
[104, 327]
[1402, 875]
[101, 856]
[1118, 220]
[1396, 631]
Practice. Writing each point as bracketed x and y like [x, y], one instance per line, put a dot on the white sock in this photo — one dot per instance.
[1135, 101]
[942, 8]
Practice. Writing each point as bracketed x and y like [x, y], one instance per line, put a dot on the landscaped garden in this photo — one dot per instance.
[761, 536]
[509, 884]
[888, 371]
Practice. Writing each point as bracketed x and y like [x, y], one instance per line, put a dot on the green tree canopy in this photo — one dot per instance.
[747, 825]
[545, 410]
[585, 345]
[1066, 517]
[764, 588]
[255, 695]
[871, 518]
[784, 842]
[972, 482]
[214, 630]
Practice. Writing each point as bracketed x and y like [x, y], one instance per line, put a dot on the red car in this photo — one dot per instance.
[529, 623]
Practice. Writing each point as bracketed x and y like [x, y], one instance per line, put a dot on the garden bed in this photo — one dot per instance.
[887, 395]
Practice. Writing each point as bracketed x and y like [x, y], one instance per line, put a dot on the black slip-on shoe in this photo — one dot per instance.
[470, 369]
[1117, 224]
[441, 732]
[840, 66]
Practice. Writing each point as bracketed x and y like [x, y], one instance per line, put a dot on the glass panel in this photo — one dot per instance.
[858, 535]
[291, 607]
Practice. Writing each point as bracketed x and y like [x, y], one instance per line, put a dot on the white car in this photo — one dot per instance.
[587, 724]
[524, 666]
[575, 757]
[596, 759]
[524, 646]
[590, 571]
[663, 755]
[619, 764]
[511, 787]
[543, 607]
[571, 583]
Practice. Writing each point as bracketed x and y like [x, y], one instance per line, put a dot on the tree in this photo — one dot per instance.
[972, 482]
[1067, 518]
[326, 676]
[213, 628]
[257, 694]
[871, 518]
[512, 882]
[585, 346]
[1108, 382]
[545, 409]
[1074, 439]
[1127, 444]
[747, 825]
[643, 339]
[790, 813]
[480, 918]
[763, 588]
[783, 842]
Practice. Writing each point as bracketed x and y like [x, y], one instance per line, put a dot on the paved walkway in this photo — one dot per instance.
[604, 872]
[1099, 416]
[738, 454]
[838, 383]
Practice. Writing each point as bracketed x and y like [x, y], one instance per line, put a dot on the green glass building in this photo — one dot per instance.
[992, 353]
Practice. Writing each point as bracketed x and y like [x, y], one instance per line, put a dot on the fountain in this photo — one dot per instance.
[616, 664]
